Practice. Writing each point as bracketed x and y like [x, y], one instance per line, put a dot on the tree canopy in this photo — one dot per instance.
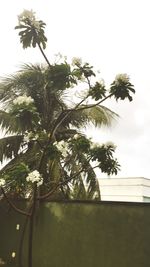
[43, 119]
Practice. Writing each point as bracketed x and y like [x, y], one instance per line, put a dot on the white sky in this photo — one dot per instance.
[114, 36]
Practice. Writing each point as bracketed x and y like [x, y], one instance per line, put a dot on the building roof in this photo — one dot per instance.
[125, 189]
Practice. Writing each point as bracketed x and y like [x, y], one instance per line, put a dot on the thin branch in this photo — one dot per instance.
[61, 105]
[13, 206]
[76, 109]
[68, 112]
[63, 183]
[74, 176]
[58, 123]
[44, 55]
[37, 141]
[94, 105]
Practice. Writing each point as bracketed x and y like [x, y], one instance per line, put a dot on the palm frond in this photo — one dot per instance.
[78, 190]
[90, 179]
[97, 115]
[22, 81]
[10, 146]
[17, 124]
[84, 185]
[30, 157]
[33, 80]
[8, 122]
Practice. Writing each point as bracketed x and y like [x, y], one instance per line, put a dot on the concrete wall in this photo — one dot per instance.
[81, 234]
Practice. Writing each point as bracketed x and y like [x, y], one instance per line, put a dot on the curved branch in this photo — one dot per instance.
[68, 112]
[13, 206]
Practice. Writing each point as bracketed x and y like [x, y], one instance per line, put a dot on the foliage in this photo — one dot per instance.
[121, 87]
[32, 30]
[44, 130]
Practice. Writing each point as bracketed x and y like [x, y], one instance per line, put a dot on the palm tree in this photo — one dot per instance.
[33, 129]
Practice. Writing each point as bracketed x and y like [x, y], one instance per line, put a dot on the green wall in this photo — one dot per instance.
[81, 234]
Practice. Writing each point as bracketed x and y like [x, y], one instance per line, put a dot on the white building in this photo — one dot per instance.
[125, 189]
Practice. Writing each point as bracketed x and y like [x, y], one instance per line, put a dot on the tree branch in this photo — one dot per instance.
[31, 228]
[13, 206]
[21, 242]
[58, 123]
[96, 104]
[44, 55]
[63, 183]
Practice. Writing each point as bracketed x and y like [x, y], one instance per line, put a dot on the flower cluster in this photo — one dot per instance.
[121, 87]
[35, 177]
[76, 136]
[106, 145]
[23, 100]
[29, 15]
[62, 146]
[121, 78]
[2, 182]
[76, 61]
[110, 144]
[94, 145]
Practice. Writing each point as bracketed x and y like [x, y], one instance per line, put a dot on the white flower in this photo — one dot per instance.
[76, 136]
[110, 144]
[35, 177]
[36, 24]
[76, 61]
[2, 182]
[94, 145]
[17, 226]
[40, 182]
[13, 254]
[26, 14]
[23, 99]
[62, 146]
[30, 15]
[121, 78]
[101, 82]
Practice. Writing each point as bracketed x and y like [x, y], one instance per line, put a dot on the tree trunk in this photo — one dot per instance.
[31, 229]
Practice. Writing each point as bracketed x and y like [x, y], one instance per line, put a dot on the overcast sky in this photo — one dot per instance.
[114, 36]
